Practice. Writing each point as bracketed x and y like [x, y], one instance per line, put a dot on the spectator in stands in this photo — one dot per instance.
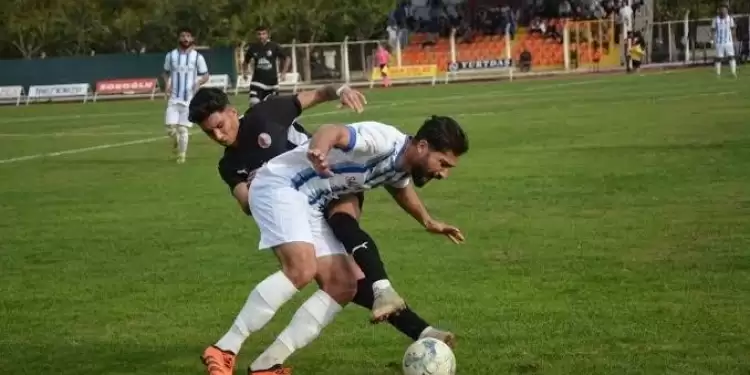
[524, 61]
[597, 10]
[565, 9]
[465, 33]
[537, 26]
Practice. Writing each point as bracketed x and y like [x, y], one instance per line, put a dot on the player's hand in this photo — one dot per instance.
[282, 77]
[168, 91]
[320, 164]
[353, 99]
[453, 233]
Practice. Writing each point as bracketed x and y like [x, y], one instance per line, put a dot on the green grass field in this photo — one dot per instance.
[607, 222]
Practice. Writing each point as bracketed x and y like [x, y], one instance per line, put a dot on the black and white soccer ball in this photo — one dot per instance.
[429, 356]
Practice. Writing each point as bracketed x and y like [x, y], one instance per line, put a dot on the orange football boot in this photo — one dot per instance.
[218, 362]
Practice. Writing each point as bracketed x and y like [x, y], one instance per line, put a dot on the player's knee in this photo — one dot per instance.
[170, 130]
[298, 263]
[182, 130]
[337, 279]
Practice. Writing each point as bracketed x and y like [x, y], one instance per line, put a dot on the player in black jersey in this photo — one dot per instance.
[265, 131]
[264, 55]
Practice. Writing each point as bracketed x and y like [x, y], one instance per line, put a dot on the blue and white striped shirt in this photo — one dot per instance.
[723, 29]
[184, 68]
[371, 160]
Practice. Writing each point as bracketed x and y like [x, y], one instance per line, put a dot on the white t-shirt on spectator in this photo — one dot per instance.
[626, 17]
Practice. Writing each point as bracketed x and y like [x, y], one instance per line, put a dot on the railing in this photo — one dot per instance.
[688, 41]
[352, 61]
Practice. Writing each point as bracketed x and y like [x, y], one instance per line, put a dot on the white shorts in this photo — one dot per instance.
[283, 215]
[725, 50]
[177, 114]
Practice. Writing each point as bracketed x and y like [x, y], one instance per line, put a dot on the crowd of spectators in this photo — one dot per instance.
[437, 18]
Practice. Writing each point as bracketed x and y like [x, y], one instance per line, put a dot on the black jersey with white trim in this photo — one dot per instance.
[267, 130]
[265, 58]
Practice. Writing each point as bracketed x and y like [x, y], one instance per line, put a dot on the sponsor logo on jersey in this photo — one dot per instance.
[264, 140]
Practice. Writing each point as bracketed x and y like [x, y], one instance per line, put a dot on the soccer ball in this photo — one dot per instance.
[429, 356]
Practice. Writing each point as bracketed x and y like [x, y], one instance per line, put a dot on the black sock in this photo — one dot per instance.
[407, 321]
[359, 244]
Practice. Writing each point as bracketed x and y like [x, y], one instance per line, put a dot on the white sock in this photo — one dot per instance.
[260, 307]
[182, 139]
[307, 323]
[425, 331]
[381, 284]
[718, 68]
[733, 66]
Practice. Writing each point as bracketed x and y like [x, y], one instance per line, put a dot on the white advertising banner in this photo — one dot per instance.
[59, 91]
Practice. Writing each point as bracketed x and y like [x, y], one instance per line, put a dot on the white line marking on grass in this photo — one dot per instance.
[375, 105]
[81, 150]
[74, 134]
[644, 96]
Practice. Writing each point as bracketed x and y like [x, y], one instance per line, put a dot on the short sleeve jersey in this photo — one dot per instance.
[371, 159]
[266, 130]
[265, 57]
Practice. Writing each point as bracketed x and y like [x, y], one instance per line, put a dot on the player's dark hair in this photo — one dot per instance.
[185, 30]
[261, 28]
[443, 134]
[207, 101]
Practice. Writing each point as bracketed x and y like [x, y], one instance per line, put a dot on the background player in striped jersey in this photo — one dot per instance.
[185, 70]
[723, 28]
[266, 130]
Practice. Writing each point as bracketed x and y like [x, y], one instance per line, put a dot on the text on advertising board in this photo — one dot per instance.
[408, 71]
[52, 91]
[126, 86]
[479, 64]
[10, 92]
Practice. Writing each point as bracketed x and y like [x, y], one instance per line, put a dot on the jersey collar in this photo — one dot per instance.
[400, 155]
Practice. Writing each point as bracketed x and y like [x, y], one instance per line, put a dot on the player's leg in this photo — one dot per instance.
[255, 97]
[282, 228]
[183, 134]
[720, 54]
[171, 119]
[337, 282]
[384, 75]
[343, 216]
[732, 61]
[407, 321]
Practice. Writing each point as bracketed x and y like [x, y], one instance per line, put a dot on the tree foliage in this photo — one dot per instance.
[69, 27]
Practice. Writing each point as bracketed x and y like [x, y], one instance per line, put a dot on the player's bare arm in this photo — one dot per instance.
[348, 96]
[323, 141]
[167, 83]
[246, 70]
[242, 194]
[408, 199]
[202, 79]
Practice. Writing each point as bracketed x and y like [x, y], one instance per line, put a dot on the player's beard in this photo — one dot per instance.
[419, 176]
[185, 44]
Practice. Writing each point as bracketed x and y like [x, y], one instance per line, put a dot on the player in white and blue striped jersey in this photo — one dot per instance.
[185, 70]
[289, 195]
[723, 28]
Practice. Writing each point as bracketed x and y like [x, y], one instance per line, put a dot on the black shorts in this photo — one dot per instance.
[636, 64]
[262, 94]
